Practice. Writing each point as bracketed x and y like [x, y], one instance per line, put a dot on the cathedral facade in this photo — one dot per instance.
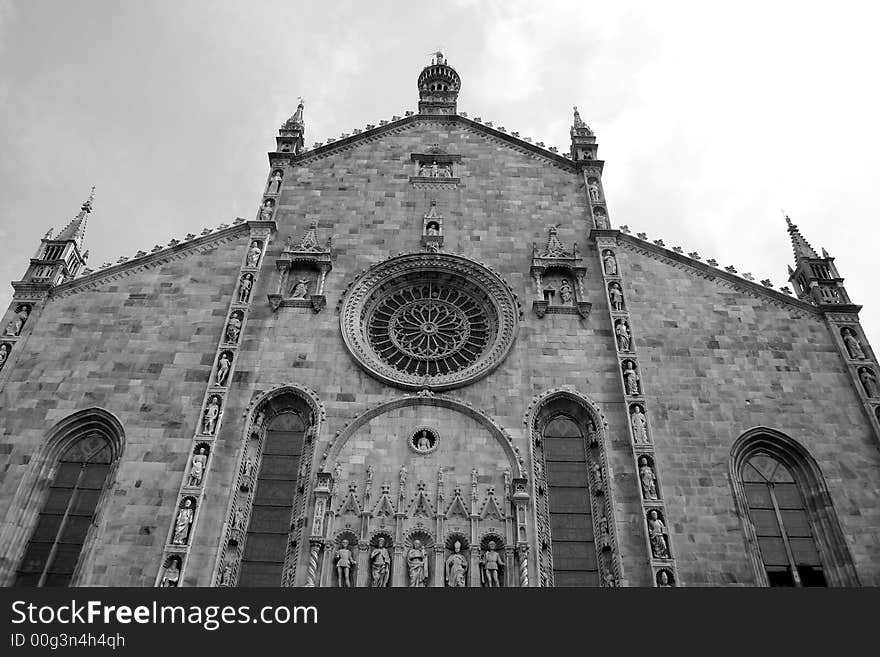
[429, 359]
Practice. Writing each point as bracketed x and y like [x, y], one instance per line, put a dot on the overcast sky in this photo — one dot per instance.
[711, 119]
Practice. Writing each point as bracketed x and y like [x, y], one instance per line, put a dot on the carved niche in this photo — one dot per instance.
[432, 229]
[302, 270]
[559, 278]
[434, 168]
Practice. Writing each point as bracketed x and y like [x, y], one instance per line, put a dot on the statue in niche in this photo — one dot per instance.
[869, 382]
[446, 171]
[233, 328]
[13, 328]
[853, 346]
[274, 186]
[594, 190]
[226, 575]
[616, 296]
[238, 519]
[648, 479]
[381, 563]
[244, 288]
[565, 291]
[197, 468]
[4, 354]
[266, 210]
[171, 575]
[253, 254]
[301, 289]
[624, 338]
[603, 532]
[657, 536]
[435, 170]
[212, 412]
[639, 425]
[597, 475]
[248, 472]
[491, 563]
[183, 523]
[631, 379]
[610, 263]
[223, 365]
[456, 567]
[431, 229]
[663, 580]
[417, 562]
[592, 434]
[601, 219]
[423, 442]
[344, 563]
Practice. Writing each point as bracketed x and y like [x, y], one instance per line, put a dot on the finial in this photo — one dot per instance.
[578, 122]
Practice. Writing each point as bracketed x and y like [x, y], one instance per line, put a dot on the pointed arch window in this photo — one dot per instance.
[54, 549]
[790, 525]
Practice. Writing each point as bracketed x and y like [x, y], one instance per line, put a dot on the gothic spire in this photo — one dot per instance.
[297, 118]
[75, 231]
[801, 246]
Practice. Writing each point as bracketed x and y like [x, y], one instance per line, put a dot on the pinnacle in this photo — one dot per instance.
[75, 231]
[802, 248]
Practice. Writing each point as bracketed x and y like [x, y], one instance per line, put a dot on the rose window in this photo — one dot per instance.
[429, 321]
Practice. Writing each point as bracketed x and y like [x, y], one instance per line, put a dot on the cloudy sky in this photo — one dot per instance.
[711, 119]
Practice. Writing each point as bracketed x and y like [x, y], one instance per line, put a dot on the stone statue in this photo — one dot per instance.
[869, 381]
[631, 379]
[238, 520]
[233, 328]
[492, 564]
[253, 255]
[423, 170]
[663, 579]
[435, 170]
[610, 264]
[171, 575]
[616, 295]
[597, 475]
[565, 292]
[301, 289]
[594, 190]
[657, 535]
[4, 354]
[601, 219]
[639, 425]
[244, 288]
[623, 335]
[446, 171]
[648, 479]
[423, 444]
[431, 229]
[417, 562]
[381, 563]
[592, 434]
[197, 469]
[183, 523]
[456, 568]
[212, 412]
[852, 345]
[266, 211]
[274, 186]
[344, 563]
[223, 365]
[226, 575]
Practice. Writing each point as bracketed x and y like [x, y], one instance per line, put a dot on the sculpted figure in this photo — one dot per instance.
[253, 255]
[266, 211]
[423, 444]
[631, 379]
[197, 469]
[492, 563]
[344, 563]
[869, 381]
[233, 328]
[623, 335]
[274, 186]
[301, 289]
[423, 170]
[435, 170]
[853, 346]
[592, 434]
[594, 190]
[381, 563]
[565, 292]
[610, 264]
[417, 562]
[663, 579]
[601, 219]
[4, 354]
[616, 296]
[183, 523]
[431, 229]
[244, 288]
[640, 425]
[648, 479]
[226, 575]
[223, 365]
[14, 327]
[171, 575]
[657, 535]
[456, 568]
[212, 412]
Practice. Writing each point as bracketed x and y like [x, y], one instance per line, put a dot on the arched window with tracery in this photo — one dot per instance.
[790, 525]
[59, 498]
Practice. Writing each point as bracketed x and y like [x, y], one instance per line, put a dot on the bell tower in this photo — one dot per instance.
[815, 279]
[439, 85]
